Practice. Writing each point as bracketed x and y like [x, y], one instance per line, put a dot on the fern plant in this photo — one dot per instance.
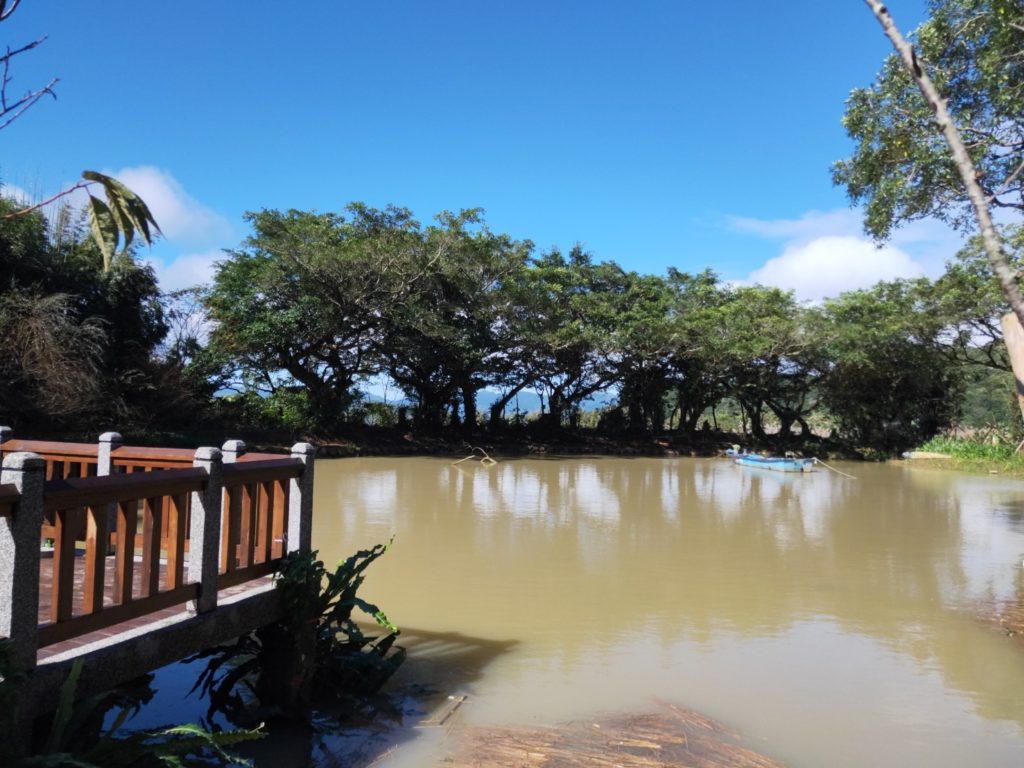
[318, 652]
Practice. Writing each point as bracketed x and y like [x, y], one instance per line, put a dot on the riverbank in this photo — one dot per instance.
[970, 455]
[385, 441]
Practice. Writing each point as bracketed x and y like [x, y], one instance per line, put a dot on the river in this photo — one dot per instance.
[831, 621]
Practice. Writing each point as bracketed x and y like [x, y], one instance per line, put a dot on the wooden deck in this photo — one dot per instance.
[157, 554]
[46, 602]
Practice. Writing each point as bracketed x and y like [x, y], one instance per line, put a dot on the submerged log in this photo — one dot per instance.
[671, 737]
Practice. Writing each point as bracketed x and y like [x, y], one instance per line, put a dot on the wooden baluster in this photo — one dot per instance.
[127, 523]
[234, 502]
[63, 565]
[280, 514]
[152, 523]
[95, 559]
[176, 528]
[264, 492]
[249, 529]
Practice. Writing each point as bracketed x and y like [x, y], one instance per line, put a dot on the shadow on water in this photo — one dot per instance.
[440, 668]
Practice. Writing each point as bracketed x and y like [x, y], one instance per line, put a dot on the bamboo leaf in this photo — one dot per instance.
[104, 229]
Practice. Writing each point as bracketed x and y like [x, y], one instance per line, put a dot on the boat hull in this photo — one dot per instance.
[775, 463]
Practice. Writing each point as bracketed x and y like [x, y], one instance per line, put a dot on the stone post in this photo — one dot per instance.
[233, 450]
[299, 537]
[19, 556]
[204, 532]
[109, 442]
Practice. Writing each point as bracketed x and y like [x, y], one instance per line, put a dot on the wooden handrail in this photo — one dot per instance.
[91, 491]
[50, 448]
[251, 471]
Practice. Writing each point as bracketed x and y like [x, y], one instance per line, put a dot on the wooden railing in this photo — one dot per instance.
[85, 503]
[255, 517]
[137, 530]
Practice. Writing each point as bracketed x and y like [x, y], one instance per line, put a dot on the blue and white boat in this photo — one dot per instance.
[776, 463]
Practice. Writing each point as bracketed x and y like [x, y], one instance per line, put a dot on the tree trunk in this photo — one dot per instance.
[469, 407]
[1013, 333]
[498, 407]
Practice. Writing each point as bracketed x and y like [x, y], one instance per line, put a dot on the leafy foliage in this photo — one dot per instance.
[901, 167]
[318, 652]
[118, 219]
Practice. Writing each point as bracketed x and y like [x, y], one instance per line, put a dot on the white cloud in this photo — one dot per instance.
[185, 271]
[181, 217]
[827, 266]
[810, 226]
[825, 252]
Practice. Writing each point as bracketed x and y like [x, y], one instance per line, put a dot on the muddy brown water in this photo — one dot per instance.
[829, 621]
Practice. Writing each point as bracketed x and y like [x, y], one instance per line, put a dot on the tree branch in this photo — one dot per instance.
[990, 238]
[47, 201]
[18, 107]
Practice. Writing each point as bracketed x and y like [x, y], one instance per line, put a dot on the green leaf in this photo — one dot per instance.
[104, 229]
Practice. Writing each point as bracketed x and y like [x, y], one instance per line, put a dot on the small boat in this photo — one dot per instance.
[777, 463]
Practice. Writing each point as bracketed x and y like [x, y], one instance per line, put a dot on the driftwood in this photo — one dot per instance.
[671, 737]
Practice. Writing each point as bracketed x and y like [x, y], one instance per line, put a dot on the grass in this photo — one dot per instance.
[976, 455]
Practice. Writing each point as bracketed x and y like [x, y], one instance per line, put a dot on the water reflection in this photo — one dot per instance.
[585, 561]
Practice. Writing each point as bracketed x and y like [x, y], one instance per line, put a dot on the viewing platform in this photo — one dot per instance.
[131, 557]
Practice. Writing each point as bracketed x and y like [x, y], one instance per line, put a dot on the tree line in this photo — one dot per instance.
[313, 306]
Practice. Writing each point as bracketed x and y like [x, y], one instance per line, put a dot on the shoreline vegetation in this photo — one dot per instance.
[979, 453]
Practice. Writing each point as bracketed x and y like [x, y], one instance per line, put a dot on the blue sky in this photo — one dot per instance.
[656, 133]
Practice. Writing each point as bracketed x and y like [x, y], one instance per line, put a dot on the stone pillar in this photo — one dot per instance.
[299, 537]
[19, 556]
[233, 450]
[204, 531]
[109, 442]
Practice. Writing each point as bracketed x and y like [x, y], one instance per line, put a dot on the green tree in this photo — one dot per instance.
[300, 304]
[888, 385]
[79, 341]
[444, 341]
[638, 343]
[901, 167]
[774, 361]
[567, 332]
[968, 302]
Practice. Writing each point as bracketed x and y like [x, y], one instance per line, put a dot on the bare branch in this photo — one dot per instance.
[19, 106]
[47, 201]
[989, 236]
[1007, 183]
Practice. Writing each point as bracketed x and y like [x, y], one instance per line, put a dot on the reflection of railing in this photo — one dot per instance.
[137, 530]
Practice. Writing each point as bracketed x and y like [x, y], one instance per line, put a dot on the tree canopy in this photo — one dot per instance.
[901, 168]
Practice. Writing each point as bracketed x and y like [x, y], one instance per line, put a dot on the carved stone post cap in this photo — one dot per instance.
[208, 453]
[6, 433]
[233, 446]
[25, 461]
[112, 437]
[304, 449]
